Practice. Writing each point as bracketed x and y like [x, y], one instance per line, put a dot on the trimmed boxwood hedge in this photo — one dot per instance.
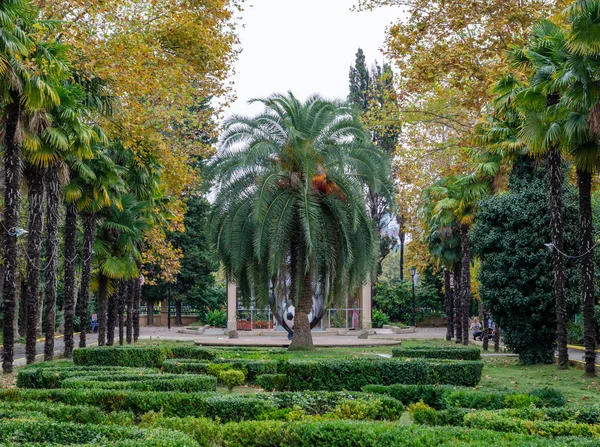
[30, 431]
[52, 377]
[355, 374]
[272, 382]
[137, 356]
[226, 407]
[441, 397]
[184, 366]
[450, 353]
[157, 382]
[252, 368]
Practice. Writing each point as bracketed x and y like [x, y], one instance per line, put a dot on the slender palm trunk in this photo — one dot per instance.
[555, 180]
[448, 305]
[136, 308]
[89, 234]
[70, 233]
[121, 309]
[497, 332]
[130, 293]
[112, 319]
[302, 336]
[457, 305]
[12, 171]
[35, 181]
[586, 260]
[465, 279]
[53, 204]
[102, 305]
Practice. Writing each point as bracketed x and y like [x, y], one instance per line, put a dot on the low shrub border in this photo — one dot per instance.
[354, 374]
[134, 356]
[65, 433]
[209, 405]
[252, 368]
[157, 382]
[272, 382]
[449, 353]
[441, 397]
[52, 377]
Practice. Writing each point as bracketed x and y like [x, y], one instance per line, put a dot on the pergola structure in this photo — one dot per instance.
[364, 296]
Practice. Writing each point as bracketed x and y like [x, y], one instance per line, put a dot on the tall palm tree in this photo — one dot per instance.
[291, 199]
[29, 75]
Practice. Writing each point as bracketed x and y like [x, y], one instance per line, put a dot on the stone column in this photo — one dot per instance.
[231, 306]
[365, 305]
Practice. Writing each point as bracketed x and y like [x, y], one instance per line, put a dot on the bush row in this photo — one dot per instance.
[17, 432]
[355, 374]
[252, 368]
[441, 397]
[52, 377]
[450, 353]
[310, 433]
[166, 382]
[134, 356]
[214, 406]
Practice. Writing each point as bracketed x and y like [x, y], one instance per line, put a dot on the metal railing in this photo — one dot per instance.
[344, 318]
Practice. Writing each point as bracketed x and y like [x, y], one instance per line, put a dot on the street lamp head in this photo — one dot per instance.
[20, 232]
[549, 246]
[412, 271]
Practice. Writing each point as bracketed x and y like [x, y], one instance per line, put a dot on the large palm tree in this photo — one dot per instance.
[291, 203]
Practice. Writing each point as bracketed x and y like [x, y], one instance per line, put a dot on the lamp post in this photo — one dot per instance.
[413, 272]
[169, 305]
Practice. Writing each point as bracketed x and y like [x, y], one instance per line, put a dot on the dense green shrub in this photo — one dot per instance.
[157, 382]
[251, 368]
[440, 397]
[82, 414]
[379, 318]
[29, 431]
[375, 434]
[192, 352]
[52, 377]
[272, 382]
[232, 378]
[147, 356]
[184, 366]
[354, 374]
[492, 421]
[455, 353]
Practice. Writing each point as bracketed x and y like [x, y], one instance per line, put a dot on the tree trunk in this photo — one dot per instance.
[485, 329]
[89, 234]
[12, 172]
[130, 293]
[497, 338]
[112, 319]
[149, 312]
[53, 204]
[121, 308]
[586, 260]
[136, 309]
[35, 224]
[102, 304]
[465, 281]
[38, 315]
[448, 305]
[70, 233]
[302, 336]
[457, 305]
[178, 320]
[555, 180]
[21, 305]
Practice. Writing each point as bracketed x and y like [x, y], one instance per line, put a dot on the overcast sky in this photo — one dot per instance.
[306, 46]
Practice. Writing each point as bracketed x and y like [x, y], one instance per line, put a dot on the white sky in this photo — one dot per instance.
[306, 46]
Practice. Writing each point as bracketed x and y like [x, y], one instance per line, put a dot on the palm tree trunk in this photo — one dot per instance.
[102, 304]
[130, 293]
[586, 253]
[35, 181]
[121, 308]
[302, 336]
[89, 234]
[555, 180]
[53, 204]
[149, 310]
[12, 171]
[70, 290]
[112, 319]
[136, 309]
[457, 304]
[448, 305]
[465, 281]
[497, 338]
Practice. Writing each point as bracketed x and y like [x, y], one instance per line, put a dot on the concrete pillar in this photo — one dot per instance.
[365, 305]
[231, 306]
